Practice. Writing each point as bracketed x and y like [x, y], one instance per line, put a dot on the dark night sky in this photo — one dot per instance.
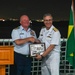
[35, 8]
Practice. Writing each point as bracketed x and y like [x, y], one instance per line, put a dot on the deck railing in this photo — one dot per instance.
[65, 67]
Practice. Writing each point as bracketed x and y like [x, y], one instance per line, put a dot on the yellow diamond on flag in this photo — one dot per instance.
[72, 54]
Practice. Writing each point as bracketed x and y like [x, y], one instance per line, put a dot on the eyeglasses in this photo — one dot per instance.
[48, 20]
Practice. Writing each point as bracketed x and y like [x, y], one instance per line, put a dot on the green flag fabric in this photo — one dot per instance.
[70, 53]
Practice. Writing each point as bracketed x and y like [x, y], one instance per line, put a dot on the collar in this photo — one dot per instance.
[51, 28]
[29, 29]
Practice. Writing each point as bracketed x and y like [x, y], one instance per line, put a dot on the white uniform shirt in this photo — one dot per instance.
[51, 36]
[20, 33]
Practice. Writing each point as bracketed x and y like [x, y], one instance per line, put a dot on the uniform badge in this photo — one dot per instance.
[32, 33]
[41, 34]
[48, 36]
[21, 33]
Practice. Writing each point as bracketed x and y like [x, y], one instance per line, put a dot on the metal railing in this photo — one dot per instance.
[65, 67]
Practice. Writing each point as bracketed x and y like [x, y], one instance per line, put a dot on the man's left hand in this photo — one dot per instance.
[38, 57]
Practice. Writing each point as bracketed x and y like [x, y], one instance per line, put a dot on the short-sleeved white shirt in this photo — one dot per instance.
[20, 33]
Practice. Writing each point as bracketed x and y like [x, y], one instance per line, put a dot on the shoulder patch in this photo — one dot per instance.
[17, 27]
[32, 32]
[55, 29]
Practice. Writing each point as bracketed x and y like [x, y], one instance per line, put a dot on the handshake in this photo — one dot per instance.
[33, 40]
[37, 48]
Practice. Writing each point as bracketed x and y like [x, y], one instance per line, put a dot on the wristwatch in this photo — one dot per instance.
[42, 56]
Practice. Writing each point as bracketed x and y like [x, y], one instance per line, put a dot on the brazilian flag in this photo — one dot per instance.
[70, 53]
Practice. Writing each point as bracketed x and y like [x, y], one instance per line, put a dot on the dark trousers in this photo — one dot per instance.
[22, 64]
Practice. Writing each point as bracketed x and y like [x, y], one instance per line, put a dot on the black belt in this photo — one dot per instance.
[22, 54]
[27, 55]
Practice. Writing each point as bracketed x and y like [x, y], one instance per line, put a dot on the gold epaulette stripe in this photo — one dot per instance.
[55, 29]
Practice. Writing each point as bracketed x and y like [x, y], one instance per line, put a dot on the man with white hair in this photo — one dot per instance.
[22, 36]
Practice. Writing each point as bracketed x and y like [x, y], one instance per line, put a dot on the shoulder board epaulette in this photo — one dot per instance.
[17, 27]
[55, 29]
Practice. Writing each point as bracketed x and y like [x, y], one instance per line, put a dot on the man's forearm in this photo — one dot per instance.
[21, 41]
[48, 50]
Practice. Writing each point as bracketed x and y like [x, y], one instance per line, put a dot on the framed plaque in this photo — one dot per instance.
[36, 49]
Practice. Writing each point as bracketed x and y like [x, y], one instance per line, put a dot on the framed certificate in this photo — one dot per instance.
[36, 49]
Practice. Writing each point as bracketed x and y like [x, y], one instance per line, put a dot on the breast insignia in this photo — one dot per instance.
[41, 34]
[55, 29]
[49, 36]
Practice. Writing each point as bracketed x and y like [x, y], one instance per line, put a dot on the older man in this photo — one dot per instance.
[22, 36]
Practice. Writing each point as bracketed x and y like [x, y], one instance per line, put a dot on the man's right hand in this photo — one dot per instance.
[31, 39]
